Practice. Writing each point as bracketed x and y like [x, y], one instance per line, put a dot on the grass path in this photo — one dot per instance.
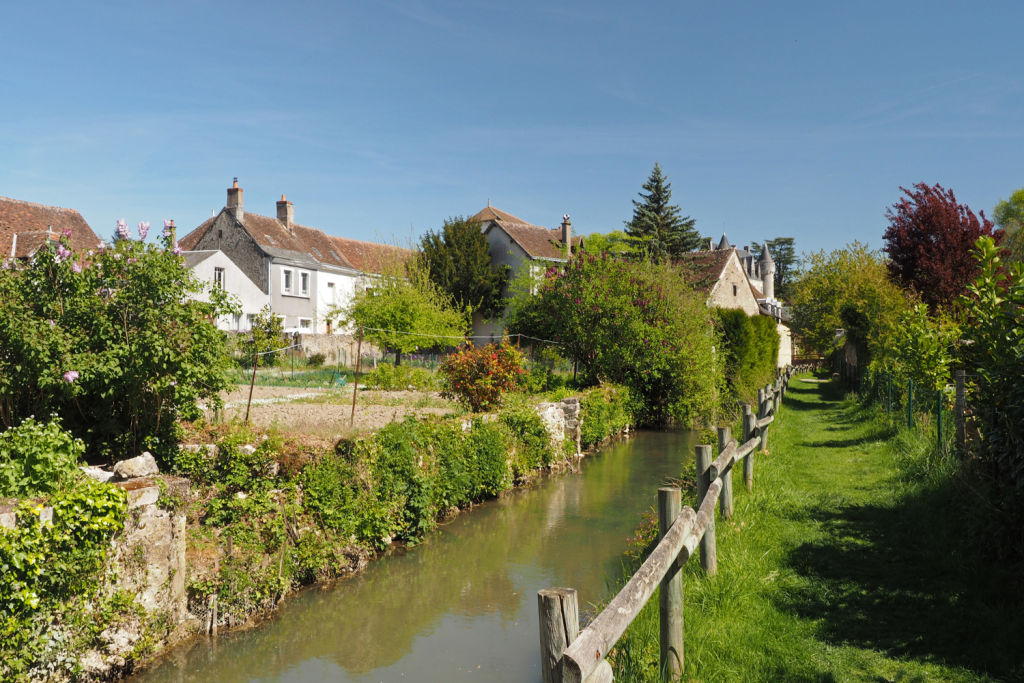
[847, 563]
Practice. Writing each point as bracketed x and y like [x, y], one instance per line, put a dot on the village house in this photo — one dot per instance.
[516, 243]
[299, 271]
[25, 227]
[735, 278]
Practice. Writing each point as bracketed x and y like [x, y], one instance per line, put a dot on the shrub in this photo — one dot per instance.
[113, 341]
[388, 377]
[478, 377]
[605, 411]
[630, 323]
[37, 459]
[751, 350]
[316, 360]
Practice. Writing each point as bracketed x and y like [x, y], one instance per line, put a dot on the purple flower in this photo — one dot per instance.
[122, 230]
[70, 376]
[174, 383]
[67, 233]
[177, 250]
[143, 230]
[76, 267]
[133, 260]
[167, 228]
[63, 253]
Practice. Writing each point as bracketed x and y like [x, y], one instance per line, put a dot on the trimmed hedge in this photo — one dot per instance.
[751, 349]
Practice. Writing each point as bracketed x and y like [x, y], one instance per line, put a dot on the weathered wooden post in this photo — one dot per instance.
[708, 555]
[725, 501]
[763, 431]
[670, 597]
[748, 433]
[961, 403]
[559, 626]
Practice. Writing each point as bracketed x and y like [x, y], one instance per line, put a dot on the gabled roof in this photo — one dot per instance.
[194, 258]
[303, 243]
[537, 241]
[36, 224]
[706, 267]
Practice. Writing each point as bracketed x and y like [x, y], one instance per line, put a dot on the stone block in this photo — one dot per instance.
[247, 449]
[133, 468]
[99, 474]
[140, 492]
[8, 519]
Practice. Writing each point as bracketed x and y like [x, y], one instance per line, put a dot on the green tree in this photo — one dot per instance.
[614, 242]
[458, 259]
[629, 322]
[849, 289]
[112, 341]
[656, 230]
[404, 310]
[787, 263]
[1009, 215]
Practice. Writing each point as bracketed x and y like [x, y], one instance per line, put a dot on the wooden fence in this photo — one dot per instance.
[570, 656]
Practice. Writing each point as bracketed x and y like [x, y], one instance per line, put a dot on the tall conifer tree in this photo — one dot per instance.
[656, 230]
[458, 260]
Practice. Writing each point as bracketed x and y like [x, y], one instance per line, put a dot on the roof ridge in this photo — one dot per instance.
[41, 206]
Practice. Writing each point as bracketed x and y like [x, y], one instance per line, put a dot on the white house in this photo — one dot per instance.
[215, 268]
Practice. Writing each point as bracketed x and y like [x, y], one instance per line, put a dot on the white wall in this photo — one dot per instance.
[328, 297]
[235, 282]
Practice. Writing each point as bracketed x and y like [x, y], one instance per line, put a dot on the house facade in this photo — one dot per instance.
[26, 226]
[300, 272]
[217, 270]
[518, 244]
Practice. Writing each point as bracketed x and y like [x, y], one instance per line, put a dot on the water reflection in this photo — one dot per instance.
[463, 604]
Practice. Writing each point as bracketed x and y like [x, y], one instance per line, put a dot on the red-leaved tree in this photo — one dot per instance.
[929, 242]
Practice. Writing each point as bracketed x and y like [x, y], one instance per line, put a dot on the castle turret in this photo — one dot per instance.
[767, 268]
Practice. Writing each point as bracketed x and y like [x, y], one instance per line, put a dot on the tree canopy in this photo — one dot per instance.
[402, 309]
[458, 261]
[1009, 216]
[656, 230]
[614, 242]
[929, 242]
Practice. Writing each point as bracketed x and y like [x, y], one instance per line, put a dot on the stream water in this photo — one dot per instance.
[463, 605]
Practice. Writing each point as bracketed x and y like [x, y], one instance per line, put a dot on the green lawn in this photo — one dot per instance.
[850, 561]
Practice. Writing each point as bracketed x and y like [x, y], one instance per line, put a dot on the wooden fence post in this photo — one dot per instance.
[748, 433]
[670, 597]
[763, 431]
[961, 403]
[559, 626]
[725, 500]
[708, 555]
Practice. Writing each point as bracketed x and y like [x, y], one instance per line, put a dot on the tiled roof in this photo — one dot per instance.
[305, 242]
[537, 241]
[34, 224]
[706, 267]
[370, 257]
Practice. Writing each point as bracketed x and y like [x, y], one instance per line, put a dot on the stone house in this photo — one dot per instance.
[25, 227]
[215, 268]
[300, 271]
[517, 244]
[734, 278]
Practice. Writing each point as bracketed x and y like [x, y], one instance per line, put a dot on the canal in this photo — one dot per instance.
[462, 606]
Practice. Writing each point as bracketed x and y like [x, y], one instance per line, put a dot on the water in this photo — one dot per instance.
[463, 605]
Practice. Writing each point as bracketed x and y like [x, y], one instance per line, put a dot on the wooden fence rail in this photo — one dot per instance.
[569, 655]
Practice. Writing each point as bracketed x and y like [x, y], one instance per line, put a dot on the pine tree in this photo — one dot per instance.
[656, 230]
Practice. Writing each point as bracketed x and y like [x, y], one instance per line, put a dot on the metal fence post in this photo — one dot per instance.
[725, 501]
[748, 433]
[961, 403]
[708, 555]
[670, 597]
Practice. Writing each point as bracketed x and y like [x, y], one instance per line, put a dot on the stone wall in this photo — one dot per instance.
[562, 420]
[337, 348]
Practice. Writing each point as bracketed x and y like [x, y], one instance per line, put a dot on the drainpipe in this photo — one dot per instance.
[14, 246]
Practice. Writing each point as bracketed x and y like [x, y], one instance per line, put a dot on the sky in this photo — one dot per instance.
[379, 120]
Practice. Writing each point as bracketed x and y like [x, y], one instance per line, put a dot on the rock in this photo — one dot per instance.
[46, 516]
[246, 449]
[141, 466]
[240, 495]
[8, 519]
[208, 449]
[273, 469]
[97, 473]
[140, 492]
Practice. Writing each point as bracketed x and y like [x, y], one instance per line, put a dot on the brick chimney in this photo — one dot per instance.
[173, 234]
[235, 200]
[567, 232]
[286, 213]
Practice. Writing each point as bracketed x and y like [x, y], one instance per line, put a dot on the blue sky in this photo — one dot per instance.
[771, 119]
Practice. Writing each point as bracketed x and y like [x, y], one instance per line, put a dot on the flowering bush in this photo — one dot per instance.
[477, 377]
[111, 340]
[37, 458]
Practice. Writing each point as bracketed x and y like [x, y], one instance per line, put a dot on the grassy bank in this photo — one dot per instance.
[850, 561]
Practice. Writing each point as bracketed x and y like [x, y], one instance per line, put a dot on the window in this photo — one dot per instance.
[237, 322]
[270, 239]
[335, 257]
[249, 320]
[305, 323]
[218, 278]
[304, 281]
[318, 254]
[735, 290]
[220, 234]
[286, 281]
[330, 294]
